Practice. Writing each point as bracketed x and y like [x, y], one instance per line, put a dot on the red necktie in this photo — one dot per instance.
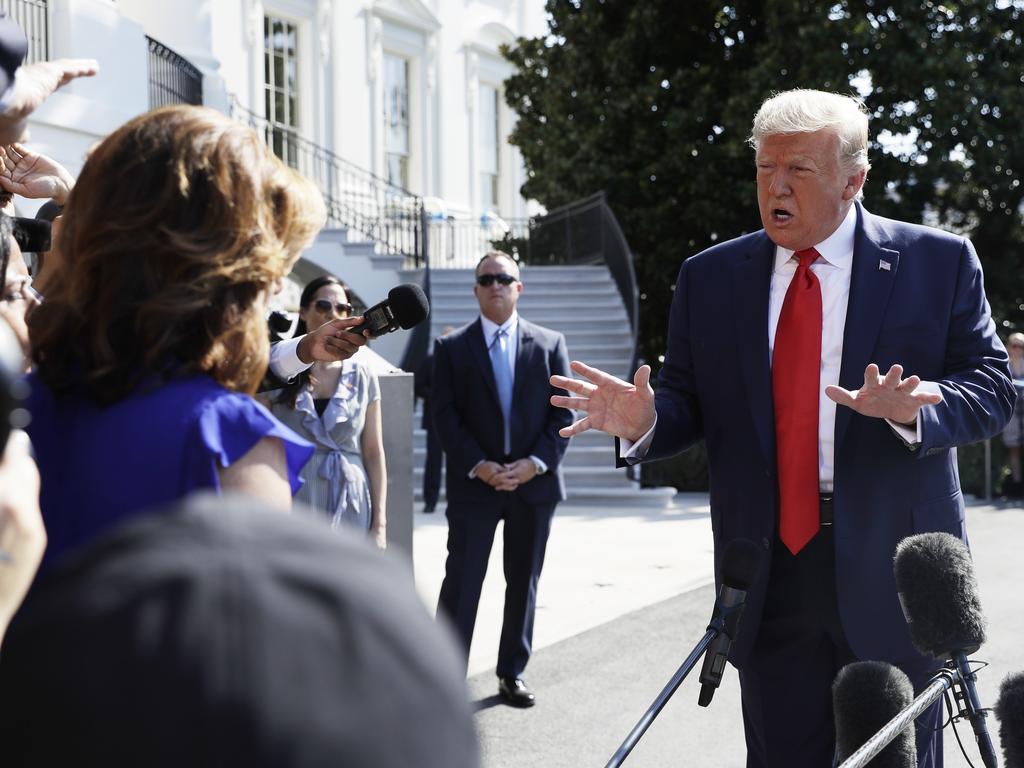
[796, 379]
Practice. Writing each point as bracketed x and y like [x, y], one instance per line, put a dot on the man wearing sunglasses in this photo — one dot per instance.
[490, 402]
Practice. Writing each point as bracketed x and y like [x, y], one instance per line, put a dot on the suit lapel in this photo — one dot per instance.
[752, 286]
[478, 346]
[524, 351]
[873, 274]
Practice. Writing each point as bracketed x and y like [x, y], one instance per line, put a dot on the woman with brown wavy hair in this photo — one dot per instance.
[152, 337]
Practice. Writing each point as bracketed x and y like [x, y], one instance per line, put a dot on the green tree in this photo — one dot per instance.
[652, 102]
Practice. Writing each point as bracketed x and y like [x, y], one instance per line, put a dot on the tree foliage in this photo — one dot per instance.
[652, 102]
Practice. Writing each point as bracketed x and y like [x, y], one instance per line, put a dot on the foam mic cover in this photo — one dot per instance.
[865, 696]
[405, 306]
[408, 304]
[1010, 711]
[939, 595]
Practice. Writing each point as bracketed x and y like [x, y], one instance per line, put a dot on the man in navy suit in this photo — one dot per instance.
[827, 305]
[489, 400]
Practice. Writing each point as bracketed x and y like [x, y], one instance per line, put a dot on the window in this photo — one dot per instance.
[396, 120]
[281, 85]
[490, 144]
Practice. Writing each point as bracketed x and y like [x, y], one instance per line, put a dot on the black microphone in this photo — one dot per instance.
[31, 235]
[865, 696]
[1010, 711]
[741, 562]
[405, 306]
[939, 596]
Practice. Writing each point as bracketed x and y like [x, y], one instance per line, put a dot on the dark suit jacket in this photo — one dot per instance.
[926, 311]
[467, 415]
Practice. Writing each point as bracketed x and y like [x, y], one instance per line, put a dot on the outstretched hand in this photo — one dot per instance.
[332, 341]
[612, 405]
[29, 174]
[885, 397]
[33, 83]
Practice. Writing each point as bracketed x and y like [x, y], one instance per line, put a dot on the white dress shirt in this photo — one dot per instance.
[284, 359]
[833, 269]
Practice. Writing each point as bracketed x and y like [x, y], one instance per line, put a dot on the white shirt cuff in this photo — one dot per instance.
[284, 359]
[541, 466]
[472, 472]
[630, 450]
[910, 434]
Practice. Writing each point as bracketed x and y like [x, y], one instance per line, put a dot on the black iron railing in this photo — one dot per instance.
[585, 232]
[173, 79]
[33, 16]
[365, 204]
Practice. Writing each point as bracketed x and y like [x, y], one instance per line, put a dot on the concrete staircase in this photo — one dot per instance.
[584, 304]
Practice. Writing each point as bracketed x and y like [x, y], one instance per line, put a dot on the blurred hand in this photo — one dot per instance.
[521, 471]
[29, 174]
[612, 405]
[379, 536]
[885, 397]
[33, 83]
[22, 536]
[331, 341]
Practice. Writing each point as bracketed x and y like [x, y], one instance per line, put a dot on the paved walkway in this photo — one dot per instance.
[624, 597]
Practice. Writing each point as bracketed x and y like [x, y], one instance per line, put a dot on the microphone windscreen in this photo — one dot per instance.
[31, 235]
[741, 562]
[1010, 711]
[865, 696]
[408, 304]
[935, 581]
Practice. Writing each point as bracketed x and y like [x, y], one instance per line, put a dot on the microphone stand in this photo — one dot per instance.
[716, 626]
[955, 673]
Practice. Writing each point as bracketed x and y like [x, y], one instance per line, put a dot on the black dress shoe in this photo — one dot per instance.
[514, 691]
[428, 509]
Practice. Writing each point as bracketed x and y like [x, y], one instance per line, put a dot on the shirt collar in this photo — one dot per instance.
[836, 249]
[490, 327]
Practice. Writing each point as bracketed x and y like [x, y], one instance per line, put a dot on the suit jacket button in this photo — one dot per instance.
[766, 543]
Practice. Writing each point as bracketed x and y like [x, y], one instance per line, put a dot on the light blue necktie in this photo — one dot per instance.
[503, 378]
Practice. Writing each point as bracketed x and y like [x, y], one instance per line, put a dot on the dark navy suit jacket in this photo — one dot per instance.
[916, 298]
[468, 419]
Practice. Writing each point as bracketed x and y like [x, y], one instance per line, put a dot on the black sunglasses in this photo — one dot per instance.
[488, 280]
[325, 306]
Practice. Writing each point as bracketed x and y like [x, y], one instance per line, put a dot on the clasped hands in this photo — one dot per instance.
[626, 409]
[507, 477]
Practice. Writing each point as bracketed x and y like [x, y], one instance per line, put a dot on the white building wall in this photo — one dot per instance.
[451, 46]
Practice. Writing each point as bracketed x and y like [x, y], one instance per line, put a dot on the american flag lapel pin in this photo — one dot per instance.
[884, 265]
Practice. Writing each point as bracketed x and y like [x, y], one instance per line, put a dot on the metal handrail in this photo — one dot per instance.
[356, 199]
[173, 79]
[33, 16]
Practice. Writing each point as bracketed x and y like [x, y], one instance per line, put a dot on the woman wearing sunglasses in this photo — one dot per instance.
[336, 406]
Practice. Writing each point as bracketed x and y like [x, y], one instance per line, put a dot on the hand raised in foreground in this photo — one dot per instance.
[33, 84]
[22, 536]
[331, 341]
[612, 405]
[32, 175]
[885, 397]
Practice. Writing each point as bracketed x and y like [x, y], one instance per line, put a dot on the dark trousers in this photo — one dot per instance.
[432, 468]
[800, 647]
[471, 528]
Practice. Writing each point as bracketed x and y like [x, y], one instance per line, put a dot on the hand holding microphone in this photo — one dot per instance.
[405, 307]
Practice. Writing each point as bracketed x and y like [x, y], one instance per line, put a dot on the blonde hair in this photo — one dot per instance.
[180, 222]
[804, 111]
